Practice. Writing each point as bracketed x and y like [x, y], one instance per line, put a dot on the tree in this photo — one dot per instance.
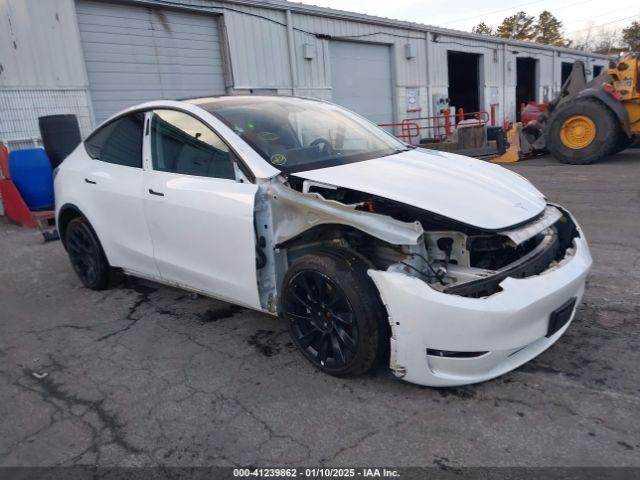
[548, 30]
[482, 29]
[631, 36]
[600, 40]
[518, 27]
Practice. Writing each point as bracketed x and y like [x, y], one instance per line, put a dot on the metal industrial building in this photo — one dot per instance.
[93, 58]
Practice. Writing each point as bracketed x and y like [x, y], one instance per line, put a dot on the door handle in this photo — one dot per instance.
[152, 192]
[89, 181]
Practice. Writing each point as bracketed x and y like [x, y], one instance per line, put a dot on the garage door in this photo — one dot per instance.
[361, 79]
[134, 54]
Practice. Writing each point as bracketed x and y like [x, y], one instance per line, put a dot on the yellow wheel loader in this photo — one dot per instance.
[590, 120]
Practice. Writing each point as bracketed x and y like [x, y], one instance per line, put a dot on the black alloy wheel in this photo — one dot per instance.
[335, 314]
[86, 255]
[322, 320]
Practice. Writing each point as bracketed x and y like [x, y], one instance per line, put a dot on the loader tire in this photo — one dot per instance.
[623, 143]
[582, 132]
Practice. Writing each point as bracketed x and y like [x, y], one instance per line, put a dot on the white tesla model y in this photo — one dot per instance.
[452, 269]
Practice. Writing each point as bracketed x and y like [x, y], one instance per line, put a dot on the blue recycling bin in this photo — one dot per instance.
[32, 175]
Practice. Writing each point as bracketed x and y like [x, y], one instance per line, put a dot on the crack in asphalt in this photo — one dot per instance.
[272, 434]
[142, 299]
[51, 329]
[53, 394]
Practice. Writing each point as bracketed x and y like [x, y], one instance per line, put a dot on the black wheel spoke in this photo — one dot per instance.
[305, 303]
[298, 316]
[337, 350]
[344, 336]
[334, 301]
[73, 243]
[343, 317]
[306, 339]
[320, 287]
[305, 283]
[91, 270]
[324, 348]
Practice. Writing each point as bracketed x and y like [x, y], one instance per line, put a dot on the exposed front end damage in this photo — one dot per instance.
[465, 304]
[472, 330]
[290, 223]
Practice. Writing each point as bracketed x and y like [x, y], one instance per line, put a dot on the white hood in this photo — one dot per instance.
[470, 191]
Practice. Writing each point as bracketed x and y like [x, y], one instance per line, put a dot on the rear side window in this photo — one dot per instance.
[119, 142]
[183, 144]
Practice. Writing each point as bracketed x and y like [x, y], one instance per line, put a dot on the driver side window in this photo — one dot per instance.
[183, 144]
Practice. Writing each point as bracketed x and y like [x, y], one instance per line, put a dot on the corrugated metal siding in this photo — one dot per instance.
[134, 54]
[42, 69]
[258, 49]
[39, 45]
[21, 108]
[260, 58]
[406, 73]
[313, 73]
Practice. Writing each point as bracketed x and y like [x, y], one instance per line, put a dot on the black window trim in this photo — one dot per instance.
[106, 124]
[235, 156]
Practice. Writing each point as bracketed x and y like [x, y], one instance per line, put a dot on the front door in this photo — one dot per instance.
[200, 217]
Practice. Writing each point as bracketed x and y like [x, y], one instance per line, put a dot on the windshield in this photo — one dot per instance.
[295, 134]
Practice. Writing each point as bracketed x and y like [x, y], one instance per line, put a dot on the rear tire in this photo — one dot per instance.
[86, 254]
[335, 314]
[582, 151]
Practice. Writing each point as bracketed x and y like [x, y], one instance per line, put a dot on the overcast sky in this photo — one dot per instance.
[576, 15]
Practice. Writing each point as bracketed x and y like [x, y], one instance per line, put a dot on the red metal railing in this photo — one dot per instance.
[404, 130]
[494, 107]
[437, 127]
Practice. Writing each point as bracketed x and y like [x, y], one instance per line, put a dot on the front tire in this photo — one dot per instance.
[86, 254]
[623, 143]
[582, 132]
[334, 311]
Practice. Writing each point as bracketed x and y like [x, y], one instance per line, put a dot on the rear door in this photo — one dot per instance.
[112, 194]
[200, 217]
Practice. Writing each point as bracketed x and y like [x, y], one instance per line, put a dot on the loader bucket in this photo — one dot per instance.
[512, 153]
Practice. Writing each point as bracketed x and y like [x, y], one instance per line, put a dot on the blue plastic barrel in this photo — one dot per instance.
[32, 175]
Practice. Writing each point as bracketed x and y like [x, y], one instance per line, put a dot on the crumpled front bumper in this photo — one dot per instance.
[509, 326]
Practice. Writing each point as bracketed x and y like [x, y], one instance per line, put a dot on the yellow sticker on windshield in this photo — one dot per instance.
[278, 159]
[268, 136]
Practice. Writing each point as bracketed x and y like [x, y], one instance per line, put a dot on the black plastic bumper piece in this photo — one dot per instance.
[533, 263]
[560, 316]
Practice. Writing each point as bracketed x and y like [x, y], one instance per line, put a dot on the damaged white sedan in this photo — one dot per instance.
[450, 269]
